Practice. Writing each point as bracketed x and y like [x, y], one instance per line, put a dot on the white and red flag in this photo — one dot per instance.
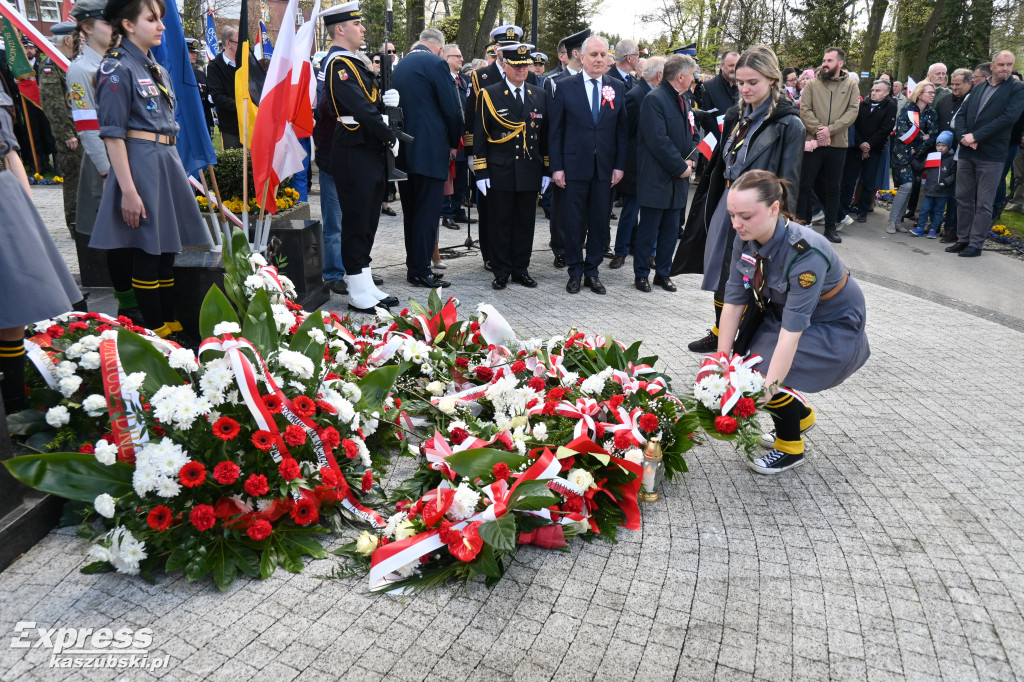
[915, 128]
[286, 108]
[721, 123]
[707, 145]
[933, 160]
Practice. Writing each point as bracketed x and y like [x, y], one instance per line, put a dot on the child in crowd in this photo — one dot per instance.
[939, 184]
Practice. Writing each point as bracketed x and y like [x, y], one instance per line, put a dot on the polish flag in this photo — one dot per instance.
[915, 128]
[286, 108]
[721, 123]
[707, 145]
[933, 160]
[85, 119]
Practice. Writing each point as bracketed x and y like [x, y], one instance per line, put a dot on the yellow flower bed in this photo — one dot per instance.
[288, 198]
[1002, 230]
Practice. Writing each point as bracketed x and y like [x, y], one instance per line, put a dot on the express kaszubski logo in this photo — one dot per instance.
[90, 647]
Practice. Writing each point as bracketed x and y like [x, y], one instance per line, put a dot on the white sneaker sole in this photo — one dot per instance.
[769, 472]
[769, 444]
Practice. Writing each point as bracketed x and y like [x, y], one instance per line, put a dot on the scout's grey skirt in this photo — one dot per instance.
[720, 233]
[35, 282]
[90, 194]
[172, 214]
[830, 350]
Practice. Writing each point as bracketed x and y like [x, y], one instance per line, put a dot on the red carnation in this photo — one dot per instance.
[518, 366]
[501, 471]
[536, 383]
[192, 474]
[360, 371]
[304, 512]
[159, 519]
[459, 435]
[351, 449]
[225, 428]
[622, 440]
[330, 376]
[574, 504]
[724, 424]
[648, 422]
[330, 437]
[465, 545]
[483, 373]
[256, 485]
[55, 331]
[259, 530]
[289, 469]
[294, 435]
[549, 407]
[367, 481]
[304, 407]
[202, 517]
[462, 362]
[444, 531]
[474, 326]
[78, 326]
[273, 403]
[556, 393]
[264, 440]
[103, 328]
[616, 400]
[88, 449]
[531, 403]
[745, 407]
[158, 430]
[328, 477]
[226, 473]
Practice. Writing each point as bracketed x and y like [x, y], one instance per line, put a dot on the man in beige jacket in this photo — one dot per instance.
[828, 107]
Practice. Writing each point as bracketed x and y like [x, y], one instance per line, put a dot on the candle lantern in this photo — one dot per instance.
[654, 469]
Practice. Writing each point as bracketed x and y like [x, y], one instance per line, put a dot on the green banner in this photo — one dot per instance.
[16, 58]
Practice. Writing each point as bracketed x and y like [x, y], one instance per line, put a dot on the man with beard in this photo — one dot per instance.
[720, 92]
[828, 107]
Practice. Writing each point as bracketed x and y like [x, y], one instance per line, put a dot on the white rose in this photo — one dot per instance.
[406, 529]
[366, 543]
[435, 387]
[446, 405]
[226, 328]
[58, 416]
[581, 478]
[104, 505]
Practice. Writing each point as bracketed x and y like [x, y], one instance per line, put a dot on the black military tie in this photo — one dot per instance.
[519, 103]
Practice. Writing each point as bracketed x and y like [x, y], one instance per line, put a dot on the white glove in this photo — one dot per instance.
[544, 182]
[387, 121]
[394, 150]
[483, 185]
[390, 98]
[469, 162]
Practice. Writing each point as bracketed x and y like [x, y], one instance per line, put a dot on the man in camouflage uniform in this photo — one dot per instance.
[53, 95]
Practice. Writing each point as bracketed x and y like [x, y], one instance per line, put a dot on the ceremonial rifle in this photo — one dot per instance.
[395, 118]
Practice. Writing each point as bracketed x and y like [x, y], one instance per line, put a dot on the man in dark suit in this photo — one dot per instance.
[563, 59]
[626, 55]
[434, 119]
[666, 138]
[588, 139]
[629, 216]
[452, 212]
[512, 164]
[983, 128]
[721, 92]
[874, 124]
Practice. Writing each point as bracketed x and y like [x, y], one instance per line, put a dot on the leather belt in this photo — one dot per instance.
[837, 288]
[152, 137]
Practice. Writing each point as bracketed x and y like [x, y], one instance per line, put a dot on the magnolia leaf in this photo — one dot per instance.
[27, 422]
[72, 475]
[532, 496]
[216, 309]
[258, 326]
[487, 563]
[139, 355]
[375, 387]
[602, 458]
[224, 570]
[268, 562]
[479, 462]
[500, 533]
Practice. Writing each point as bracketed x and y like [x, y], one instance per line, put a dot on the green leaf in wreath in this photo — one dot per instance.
[268, 562]
[375, 387]
[97, 567]
[532, 496]
[216, 308]
[500, 533]
[177, 560]
[259, 327]
[139, 355]
[304, 545]
[224, 570]
[245, 559]
[27, 422]
[479, 462]
[302, 343]
[72, 475]
[487, 563]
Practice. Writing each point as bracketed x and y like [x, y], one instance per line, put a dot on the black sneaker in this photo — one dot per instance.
[775, 462]
[709, 344]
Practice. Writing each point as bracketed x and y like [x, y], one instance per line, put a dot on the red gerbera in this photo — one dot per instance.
[501, 471]
[467, 543]
[648, 422]
[256, 485]
[459, 435]
[724, 424]
[304, 407]
[367, 481]
[192, 474]
[330, 437]
[225, 428]
[264, 440]
[328, 477]
[259, 530]
[518, 366]
[536, 383]
[159, 518]
[226, 473]
[304, 512]
[351, 449]
[88, 449]
[462, 362]
[202, 517]
[326, 407]
[745, 407]
[294, 435]
[289, 469]
[273, 403]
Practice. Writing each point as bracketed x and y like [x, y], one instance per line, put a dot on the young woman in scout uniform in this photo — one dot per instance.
[35, 282]
[812, 336]
[148, 205]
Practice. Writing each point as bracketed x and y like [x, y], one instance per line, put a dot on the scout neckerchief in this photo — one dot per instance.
[739, 139]
[158, 78]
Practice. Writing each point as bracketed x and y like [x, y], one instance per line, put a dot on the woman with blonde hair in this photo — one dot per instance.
[762, 131]
[916, 128]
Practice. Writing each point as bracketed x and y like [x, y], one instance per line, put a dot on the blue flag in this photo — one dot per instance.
[268, 48]
[211, 38]
[194, 144]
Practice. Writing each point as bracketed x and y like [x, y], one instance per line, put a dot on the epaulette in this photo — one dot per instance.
[801, 246]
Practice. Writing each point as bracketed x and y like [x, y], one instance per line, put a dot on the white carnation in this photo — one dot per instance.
[58, 416]
[296, 363]
[570, 379]
[90, 342]
[393, 521]
[90, 360]
[65, 369]
[104, 505]
[228, 327]
[409, 570]
[75, 350]
[257, 260]
[540, 431]
[317, 335]
[183, 358]
[94, 405]
[69, 385]
[106, 453]
[133, 382]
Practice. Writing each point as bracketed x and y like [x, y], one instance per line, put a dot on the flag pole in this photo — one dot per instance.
[31, 138]
[220, 203]
[213, 214]
[260, 227]
[245, 165]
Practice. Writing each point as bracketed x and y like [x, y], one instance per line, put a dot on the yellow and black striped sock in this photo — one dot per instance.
[786, 412]
[147, 293]
[12, 366]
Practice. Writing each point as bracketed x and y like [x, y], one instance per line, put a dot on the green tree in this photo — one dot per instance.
[823, 24]
[562, 18]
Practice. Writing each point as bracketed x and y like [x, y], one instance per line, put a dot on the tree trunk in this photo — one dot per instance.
[414, 22]
[521, 18]
[921, 62]
[468, 18]
[483, 36]
[874, 31]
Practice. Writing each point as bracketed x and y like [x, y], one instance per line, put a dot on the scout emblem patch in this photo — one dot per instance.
[343, 74]
[807, 279]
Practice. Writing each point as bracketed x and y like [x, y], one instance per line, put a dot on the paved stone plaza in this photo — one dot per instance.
[895, 552]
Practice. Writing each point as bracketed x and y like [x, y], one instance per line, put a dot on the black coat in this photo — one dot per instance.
[874, 127]
[633, 100]
[991, 127]
[665, 138]
[627, 84]
[433, 113]
[777, 146]
[720, 94]
[513, 161]
[946, 110]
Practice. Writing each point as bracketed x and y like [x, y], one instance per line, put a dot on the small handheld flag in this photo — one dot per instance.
[933, 160]
[707, 146]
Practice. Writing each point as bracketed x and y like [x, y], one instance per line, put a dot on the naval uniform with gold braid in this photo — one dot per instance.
[510, 149]
[358, 161]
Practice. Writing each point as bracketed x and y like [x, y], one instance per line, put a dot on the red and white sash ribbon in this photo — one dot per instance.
[45, 361]
[628, 422]
[494, 329]
[915, 128]
[124, 407]
[437, 450]
[269, 274]
[584, 410]
[730, 371]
